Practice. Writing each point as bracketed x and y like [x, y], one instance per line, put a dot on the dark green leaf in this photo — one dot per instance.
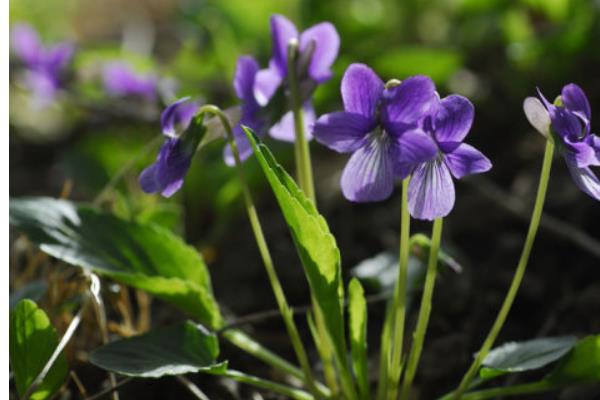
[174, 350]
[144, 256]
[524, 356]
[316, 246]
[32, 342]
[582, 364]
[357, 311]
[33, 290]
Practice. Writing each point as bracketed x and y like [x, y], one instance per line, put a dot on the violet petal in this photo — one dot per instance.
[466, 160]
[453, 119]
[361, 90]
[369, 174]
[431, 191]
[327, 42]
[408, 102]
[343, 132]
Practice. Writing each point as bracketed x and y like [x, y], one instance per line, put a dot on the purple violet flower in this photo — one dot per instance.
[175, 155]
[382, 128]
[120, 81]
[43, 64]
[570, 118]
[318, 48]
[251, 116]
[431, 190]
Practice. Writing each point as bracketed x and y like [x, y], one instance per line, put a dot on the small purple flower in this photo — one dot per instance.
[570, 118]
[43, 64]
[318, 48]
[431, 190]
[175, 155]
[251, 115]
[120, 81]
[382, 128]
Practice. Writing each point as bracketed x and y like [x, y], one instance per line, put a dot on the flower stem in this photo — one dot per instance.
[399, 305]
[517, 278]
[425, 310]
[284, 308]
[301, 149]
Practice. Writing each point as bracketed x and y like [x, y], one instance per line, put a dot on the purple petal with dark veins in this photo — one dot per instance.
[369, 174]
[343, 132]
[327, 42]
[411, 147]
[584, 178]
[361, 90]
[430, 191]
[453, 119]
[582, 152]
[465, 160]
[284, 129]
[408, 102]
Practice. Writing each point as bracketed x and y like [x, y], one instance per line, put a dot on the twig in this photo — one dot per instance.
[79, 384]
[101, 318]
[189, 385]
[110, 389]
[516, 206]
[61, 345]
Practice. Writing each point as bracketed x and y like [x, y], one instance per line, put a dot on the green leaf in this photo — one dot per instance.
[32, 342]
[525, 356]
[174, 350]
[381, 271]
[357, 310]
[315, 244]
[144, 256]
[582, 364]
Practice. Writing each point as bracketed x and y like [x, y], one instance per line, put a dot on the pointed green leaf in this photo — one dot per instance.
[314, 242]
[144, 256]
[174, 350]
[525, 356]
[357, 311]
[32, 342]
[582, 364]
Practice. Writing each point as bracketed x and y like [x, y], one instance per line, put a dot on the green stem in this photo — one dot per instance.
[425, 310]
[384, 352]
[301, 150]
[261, 242]
[527, 388]
[520, 271]
[287, 391]
[399, 305]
